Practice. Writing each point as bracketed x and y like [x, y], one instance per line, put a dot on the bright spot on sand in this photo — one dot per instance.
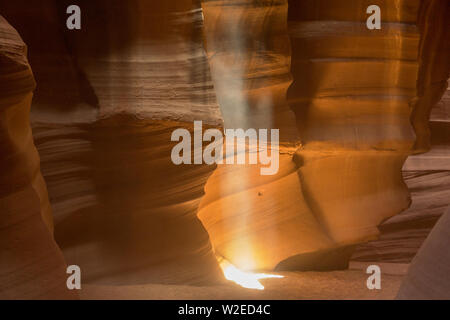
[248, 280]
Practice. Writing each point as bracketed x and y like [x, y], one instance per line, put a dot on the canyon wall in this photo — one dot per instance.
[351, 94]
[361, 100]
[428, 179]
[434, 69]
[109, 97]
[350, 105]
[255, 221]
[31, 264]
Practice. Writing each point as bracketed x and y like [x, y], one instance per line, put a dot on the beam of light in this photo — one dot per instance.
[245, 279]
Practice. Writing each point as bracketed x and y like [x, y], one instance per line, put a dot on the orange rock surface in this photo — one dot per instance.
[351, 105]
[358, 96]
[124, 212]
[31, 264]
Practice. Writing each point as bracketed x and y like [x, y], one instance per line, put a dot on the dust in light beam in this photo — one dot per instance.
[245, 279]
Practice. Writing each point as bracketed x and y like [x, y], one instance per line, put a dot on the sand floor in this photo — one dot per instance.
[348, 284]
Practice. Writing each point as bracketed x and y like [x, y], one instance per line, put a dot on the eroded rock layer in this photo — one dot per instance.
[428, 179]
[124, 212]
[31, 265]
[111, 94]
[434, 68]
[255, 221]
[353, 93]
[249, 53]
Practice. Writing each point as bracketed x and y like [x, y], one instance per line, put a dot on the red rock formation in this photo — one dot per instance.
[123, 211]
[249, 53]
[434, 67]
[427, 175]
[31, 265]
[351, 97]
[112, 93]
[352, 94]
[255, 221]
[428, 179]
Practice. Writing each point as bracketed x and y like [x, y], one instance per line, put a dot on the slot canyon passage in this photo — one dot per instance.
[86, 118]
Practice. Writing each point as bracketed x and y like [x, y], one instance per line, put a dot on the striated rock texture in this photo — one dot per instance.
[403, 235]
[249, 52]
[255, 221]
[110, 95]
[428, 179]
[353, 93]
[31, 265]
[434, 68]
[136, 72]
[60, 84]
[427, 276]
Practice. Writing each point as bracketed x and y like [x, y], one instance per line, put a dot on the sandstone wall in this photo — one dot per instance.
[351, 104]
[361, 100]
[31, 264]
[255, 221]
[354, 93]
[109, 98]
